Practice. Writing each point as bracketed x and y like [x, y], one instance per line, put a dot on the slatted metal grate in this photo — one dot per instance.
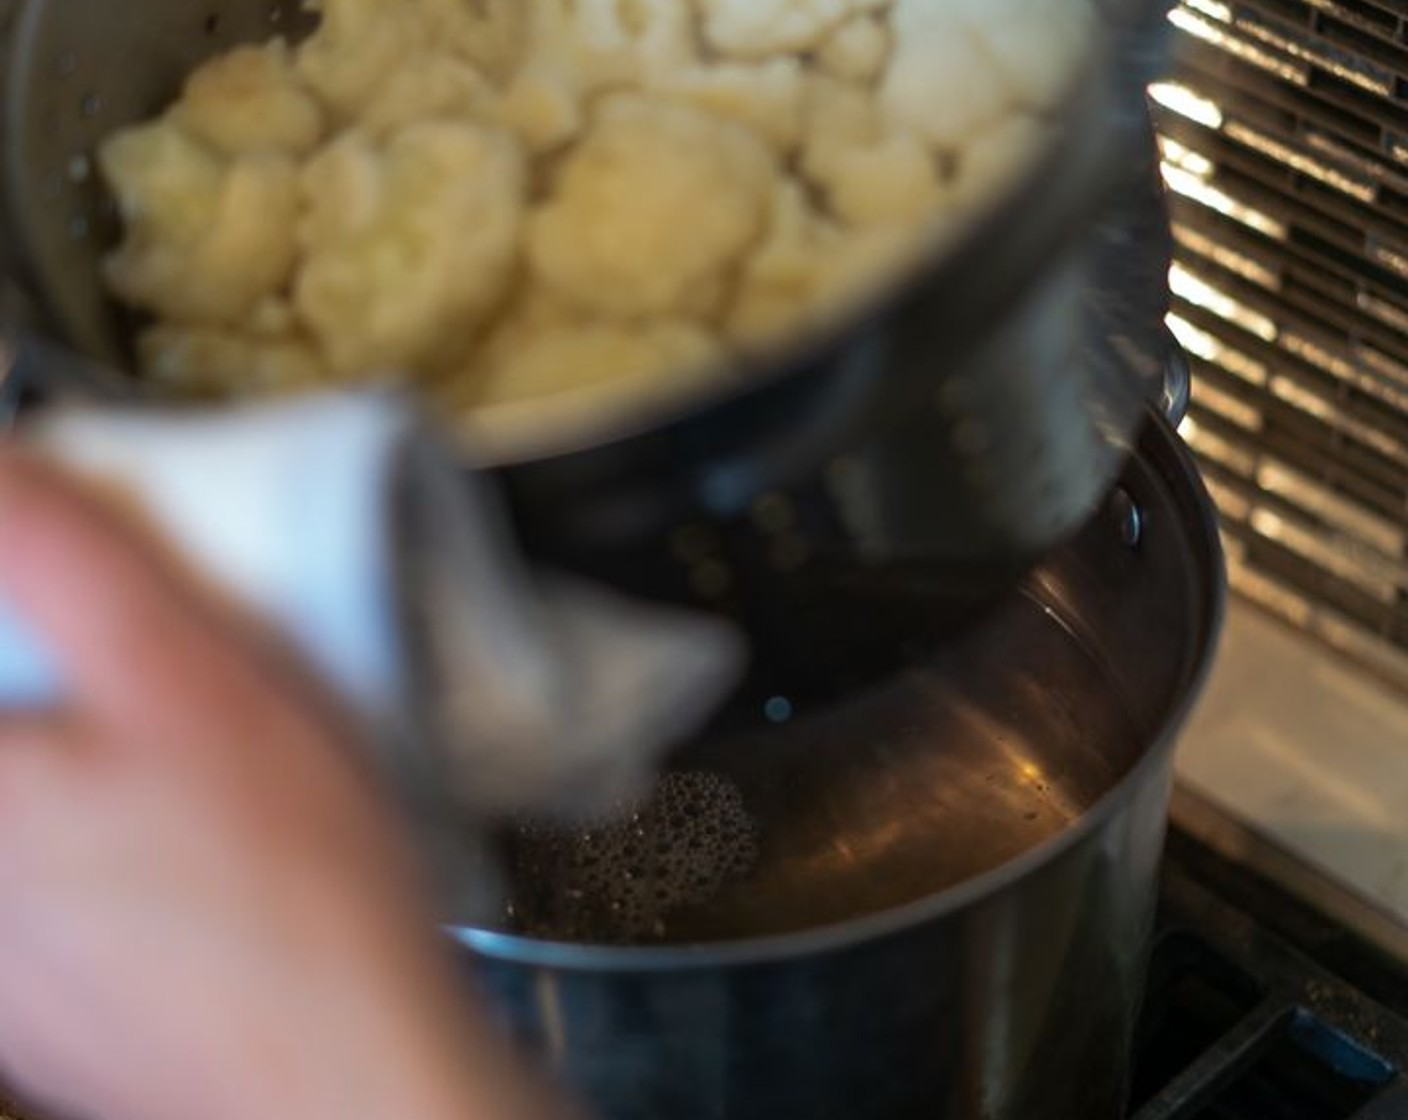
[1285, 134]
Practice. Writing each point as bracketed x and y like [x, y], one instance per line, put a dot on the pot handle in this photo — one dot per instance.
[1178, 381]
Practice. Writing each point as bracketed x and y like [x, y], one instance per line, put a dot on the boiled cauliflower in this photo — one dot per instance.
[657, 200]
[998, 157]
[781, 281]
[592, 359]
[206, 236]
[205, 361]
[1037, 45]
[543, 106]
[580, 48]
[943, 80]
[441, 86]
[808, 269]
[759, 28]
[407, 245]
[493, 36]
[362, 45]
[894, 181]
[857, 51]
[623, 42]
[357, 46]
[871, 170]
[251, 100]
[768, 97]
[511, 201]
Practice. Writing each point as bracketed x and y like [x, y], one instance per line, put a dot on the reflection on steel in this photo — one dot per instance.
[1180, 99]
[1243, 266]
[1203, 344]
[1297, 161]
[1249, 52]
[1180, 182]
[1189, 286]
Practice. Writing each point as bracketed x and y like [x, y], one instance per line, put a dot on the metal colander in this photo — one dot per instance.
[75, 71]
[972, 418]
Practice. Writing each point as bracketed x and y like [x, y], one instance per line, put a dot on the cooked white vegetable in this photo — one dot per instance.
[759, 28]
[407, 246]
[203, 361]
[658, 200]
[207, 237]
[251, 100]
[504, 200]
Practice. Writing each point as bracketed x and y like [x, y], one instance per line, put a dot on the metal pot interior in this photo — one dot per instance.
[892, 767]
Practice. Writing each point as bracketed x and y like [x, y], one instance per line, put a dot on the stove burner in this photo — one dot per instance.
[1256, 1010]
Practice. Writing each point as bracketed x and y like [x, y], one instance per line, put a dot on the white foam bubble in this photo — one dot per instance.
[621, 881]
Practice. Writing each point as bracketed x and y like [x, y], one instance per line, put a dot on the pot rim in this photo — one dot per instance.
[1159, 442]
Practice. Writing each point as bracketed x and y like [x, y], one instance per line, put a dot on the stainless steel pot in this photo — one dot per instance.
[957, 853]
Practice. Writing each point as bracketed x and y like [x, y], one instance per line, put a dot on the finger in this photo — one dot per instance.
[30, 749]
[118, 612]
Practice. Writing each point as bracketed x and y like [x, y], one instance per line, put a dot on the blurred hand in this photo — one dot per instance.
[205, 909]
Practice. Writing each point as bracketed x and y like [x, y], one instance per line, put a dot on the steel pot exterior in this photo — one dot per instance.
[1021, 1005]
[1010, 996]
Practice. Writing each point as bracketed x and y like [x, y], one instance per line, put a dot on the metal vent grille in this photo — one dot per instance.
[1285, 134]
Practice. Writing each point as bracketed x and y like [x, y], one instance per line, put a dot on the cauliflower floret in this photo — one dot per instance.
[409, 246]
[839, 118]
[439, 86]
[1036, 45]
[491, 35]
[582, 47]
[869, 260]
[542, 102]
[872, 171]
[219, 361]
[943, 81]
[656, 201]
[766, 96]
[414, 242]
[857, 51]
[779, 282]
[598, 361]
[251, 100]
[205, 237]
[357, 46]
[542, 106]
[896, 181]
[808, 270]
[997, 158]
[616, 42]
[758, 28]
[360, 45]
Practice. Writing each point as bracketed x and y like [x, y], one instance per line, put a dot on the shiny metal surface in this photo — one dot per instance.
[977, 411]
[958, 848]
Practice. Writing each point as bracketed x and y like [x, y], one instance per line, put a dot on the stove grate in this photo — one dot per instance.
[1242, 1024]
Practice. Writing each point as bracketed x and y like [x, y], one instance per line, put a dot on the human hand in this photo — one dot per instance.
[205, 908]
